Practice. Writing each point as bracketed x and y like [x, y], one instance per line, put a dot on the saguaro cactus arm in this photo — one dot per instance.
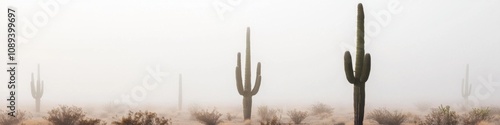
[366, 68]
[33, 90]
[239, 82]
[257, 81]
[348, 67]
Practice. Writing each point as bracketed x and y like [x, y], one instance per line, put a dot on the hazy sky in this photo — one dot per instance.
[95, 51]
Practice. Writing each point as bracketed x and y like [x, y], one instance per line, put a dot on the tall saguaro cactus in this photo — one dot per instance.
[466, 87]
[180, 92]
[362, 70]
[246, 91]
[37, 91]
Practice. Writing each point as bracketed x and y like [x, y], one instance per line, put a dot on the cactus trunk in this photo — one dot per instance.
[245, 90]
[247, 107]
[362, 69]
[359, 104]
[466, 87]
[37, 103]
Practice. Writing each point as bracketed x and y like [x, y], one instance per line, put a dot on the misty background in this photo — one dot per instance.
[93, 52]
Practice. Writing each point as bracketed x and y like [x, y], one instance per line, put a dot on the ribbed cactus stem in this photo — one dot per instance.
[245, 90]
[466, 87]
[360, 75]
[37, 91]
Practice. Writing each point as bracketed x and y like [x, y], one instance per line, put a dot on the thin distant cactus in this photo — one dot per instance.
[180, 92]
[37, 91]
[466, 87]
[246, 91]
[362, 71]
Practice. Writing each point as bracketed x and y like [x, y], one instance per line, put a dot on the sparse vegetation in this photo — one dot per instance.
[230, 117]
[208, 118]
[385, 117]
[65, 115]
[321, 110]
[269, 116]
[193, 109]
[91, 121]
[274, 121]
[476, 115]
[297, 116]
[142, 118]
[495, 110]
[266, 114]
[414, 119]
[443, 115]
[9, 120]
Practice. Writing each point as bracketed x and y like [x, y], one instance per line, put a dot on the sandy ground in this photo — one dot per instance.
[184, 118]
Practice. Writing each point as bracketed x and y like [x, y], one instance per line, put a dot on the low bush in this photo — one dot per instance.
[9, 120]
[65, 115]
[443, 115]
[321, 110]
[476, 115]
[274, 121]
[208, 118]
[297, 116]
[142, 118]
[385, 117]
[230, 117]
[266, 114]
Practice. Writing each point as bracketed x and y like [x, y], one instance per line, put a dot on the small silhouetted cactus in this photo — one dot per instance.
[466, 87]
[37, 91]
[180, 92]
[362, 71]
[246, 91]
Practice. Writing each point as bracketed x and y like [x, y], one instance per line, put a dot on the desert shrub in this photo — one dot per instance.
[476, 115]
[193, 109]
[65, 115]
[91, 121]
[230, 117]
[142, 118]
[443, 115]
[297, 116]
[9, 120]
[274, 121]
[414, 119]
[321, 110]
[266, 114]
[495, 110]
[208, 118]
[269, 116]
[385, 117]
